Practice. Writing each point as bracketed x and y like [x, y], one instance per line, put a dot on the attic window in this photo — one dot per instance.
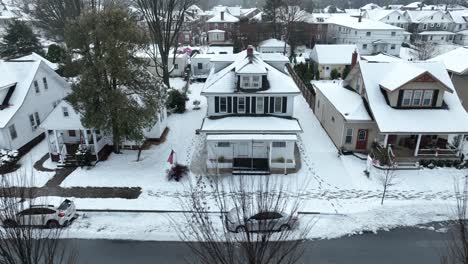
[36, 86]
[250, 81]
[65, 111]
[44, 80]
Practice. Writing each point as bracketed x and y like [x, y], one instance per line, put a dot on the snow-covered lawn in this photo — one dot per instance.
[32, 177]
[335, 184]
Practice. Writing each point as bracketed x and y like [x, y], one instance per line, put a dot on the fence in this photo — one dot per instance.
[308, 94]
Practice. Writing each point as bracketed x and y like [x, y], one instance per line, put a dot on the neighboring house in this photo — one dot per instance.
[387, 16]
[221, 21]
[370, 37]
[429, 20]
[461, 38]
[217, 36]
[412, 108]
[177, 66]
[437, 37]
[456, 62]
[249, 125]
[413, 6]
[36, 57]
[274, 46]
[29, 91]
[201, 65]
[333, 57]
[65, 133]
[460, 19]
[7, 15]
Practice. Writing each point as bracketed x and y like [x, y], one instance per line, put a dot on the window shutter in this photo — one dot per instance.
[216, 104]
[247, 105]
[400, 98]
[254, 105]
[434, 98]
[234, 105]
[265, 105]
[285, 104]
[229, 104]
[272, 104]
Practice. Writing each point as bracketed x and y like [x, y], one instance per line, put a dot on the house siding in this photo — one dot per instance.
[461, 85]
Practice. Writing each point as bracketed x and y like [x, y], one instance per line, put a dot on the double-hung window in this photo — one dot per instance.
[36, 86]
[241, 104]
[417, 94]
[245, 81]
[44, 81]
[255, 81]
[427, 99]
[13, 133]
[65, 111]
[349, 136]
[407, 96]
[259, 105]
[222, 104]
[278, 144]
[278, 104]
[34, 120]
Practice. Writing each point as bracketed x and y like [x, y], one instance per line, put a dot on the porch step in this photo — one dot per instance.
[250, 172]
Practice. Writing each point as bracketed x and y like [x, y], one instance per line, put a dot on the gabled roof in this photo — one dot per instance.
[459, 16]
[381, 57]
[400, 73]
[19, 73]
[251, 66]
[333, 54]
[452, 119]
[224, 80]
[36, 57]
[455, 60]
[56, 120]
[272, 43]
[416, 16]
[228, 18]
[378, 14]
[350, 104]
[365, 24]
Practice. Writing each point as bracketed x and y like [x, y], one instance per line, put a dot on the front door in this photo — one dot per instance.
[242, 149]
[361, 142]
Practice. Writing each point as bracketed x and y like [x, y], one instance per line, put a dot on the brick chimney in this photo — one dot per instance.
[222, 15]
[354, 58]
[250, 50]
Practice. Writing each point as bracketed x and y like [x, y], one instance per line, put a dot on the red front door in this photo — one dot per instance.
[361, 142]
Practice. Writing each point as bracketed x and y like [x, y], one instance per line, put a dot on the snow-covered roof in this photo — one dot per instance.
[220, 49]
[258, 17]
[381, 58]
[459, 16]
[453, 119]
[427, 33]
[251, 66]
[413, 5]
[224, 80]
[463, 32]
[365, 24]
[228, 18]
[416, 16]
[272, 43]
[378, 14]
[370, 6]
[402, 73]
[455, 60]
[348, 103]
[36, 57]
[22, 74]
[216, 31]
[57, 121]
[234, 137]
[250, 124]
[333, 54]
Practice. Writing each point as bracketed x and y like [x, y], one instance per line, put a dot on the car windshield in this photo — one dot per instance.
[64, 205]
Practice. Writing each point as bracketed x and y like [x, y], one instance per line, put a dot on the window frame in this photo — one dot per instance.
[350, 136]
[280, 100]
[407, 95]
[221, 104]
[65, 111]
[278, 144]
[259, 101]
[13, 132]
[239, 105]
[223, 144]
[44, 82]
[36, 87]
[415, 98]
[431, 98]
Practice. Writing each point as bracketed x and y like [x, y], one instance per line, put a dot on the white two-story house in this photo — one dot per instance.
[434, 26]
[29, 91]
[370, 37]
[249, 126]
[388, 16]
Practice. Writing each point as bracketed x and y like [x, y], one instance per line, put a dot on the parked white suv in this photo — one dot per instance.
[44, 215]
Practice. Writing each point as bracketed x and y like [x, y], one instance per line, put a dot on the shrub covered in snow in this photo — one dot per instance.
[83, 156]
[8, 160]
[177, 172]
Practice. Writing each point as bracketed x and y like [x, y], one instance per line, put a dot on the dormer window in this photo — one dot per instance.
[251, 81]
[417, 98]
[427, 100]
[407, 95]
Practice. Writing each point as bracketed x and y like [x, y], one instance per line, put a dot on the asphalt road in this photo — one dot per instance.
[405, 245]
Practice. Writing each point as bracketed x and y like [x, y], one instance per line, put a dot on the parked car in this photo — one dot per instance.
[43, 215]
[260, 221]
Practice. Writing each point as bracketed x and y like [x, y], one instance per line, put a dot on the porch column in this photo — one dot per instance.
[86, 138]
[57, 146]
[95, 145]
[416, 150]
[269, 154]
[460, 147]
[385, 140]
[48, 143]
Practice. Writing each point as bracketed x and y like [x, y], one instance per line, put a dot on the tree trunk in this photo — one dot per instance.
[139, 153]
[115, 138]
[383, 195]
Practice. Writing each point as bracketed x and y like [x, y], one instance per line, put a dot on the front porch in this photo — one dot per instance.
[65, 144]
[251, 153]
[415, 147]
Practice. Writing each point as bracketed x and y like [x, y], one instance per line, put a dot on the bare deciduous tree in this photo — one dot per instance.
[423, 50]
[165, 19]
[25, 243]
[457, 246]
[243, 196]
[386, 179]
